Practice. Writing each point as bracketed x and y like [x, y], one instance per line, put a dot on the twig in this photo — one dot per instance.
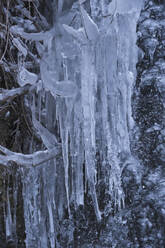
[7, 30]
[3, 25]
[25, 118]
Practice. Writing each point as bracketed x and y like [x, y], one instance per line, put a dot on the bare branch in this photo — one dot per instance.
[28, 160]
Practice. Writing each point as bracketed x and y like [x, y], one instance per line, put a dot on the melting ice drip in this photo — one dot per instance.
[87, 95]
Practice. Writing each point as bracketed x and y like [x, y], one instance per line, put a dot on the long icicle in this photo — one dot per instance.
[88, 85]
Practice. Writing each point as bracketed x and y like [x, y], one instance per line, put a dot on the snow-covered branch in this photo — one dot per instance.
[27, 160]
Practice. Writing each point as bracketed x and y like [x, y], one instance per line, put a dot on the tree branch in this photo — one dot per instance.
[28, 160]
[6, 95]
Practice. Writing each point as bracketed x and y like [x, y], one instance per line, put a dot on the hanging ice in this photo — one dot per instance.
[87, 106]
[90, 27]
[65, 88]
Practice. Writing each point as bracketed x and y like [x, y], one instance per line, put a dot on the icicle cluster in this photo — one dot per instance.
[84, 104]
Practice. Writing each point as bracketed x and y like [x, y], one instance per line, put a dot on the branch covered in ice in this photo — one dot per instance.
[30, 36]
[6, 95]
[27, 160]
[48, 138]
[40, 48]
[26, 77]
[20, 46]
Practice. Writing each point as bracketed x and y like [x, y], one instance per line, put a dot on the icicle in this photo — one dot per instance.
[52, 231]
[77, 155]
[64, 133]
[39, 103]
[8, 220]
[88, 86]
[90, 26]
[31, 186]
[65, 88]
[15, 202]
[48, 138]
[64, 137]
[92, 112]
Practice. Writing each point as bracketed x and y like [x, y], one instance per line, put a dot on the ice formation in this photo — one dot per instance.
[87, 76]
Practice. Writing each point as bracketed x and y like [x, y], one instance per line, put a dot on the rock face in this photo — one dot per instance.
[148, 97]
[148, 138]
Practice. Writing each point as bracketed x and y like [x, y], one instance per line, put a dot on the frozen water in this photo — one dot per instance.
[90, 27]
[20, 46]
[26, 77]
[87, 104]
